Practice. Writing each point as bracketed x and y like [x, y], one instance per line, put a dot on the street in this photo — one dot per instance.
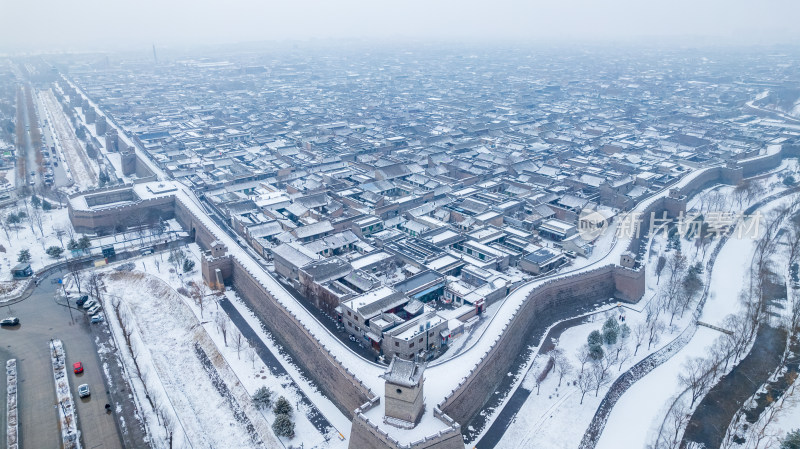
[41, 319]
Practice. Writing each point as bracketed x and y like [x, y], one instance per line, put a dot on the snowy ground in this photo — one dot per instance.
[248, 371]
[21, 236]
[162, 337]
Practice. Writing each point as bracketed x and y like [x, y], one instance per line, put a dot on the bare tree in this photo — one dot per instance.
[585, 383]
[75, 270]
[583, 356]
[95, 285]
[70, 233]
[640, 333]
[198, 294]
[740, 192]
[662, 262]
[654, 329]
[653, 308]
[60, 233]
[251, 353]
[623, 356]
[37, 218]
[28, 214]
[695, 377]
[238, 342]
[222, 325]
[561, 363]
[675, 421]
[599, 378]
[176, 257]
[5, 225]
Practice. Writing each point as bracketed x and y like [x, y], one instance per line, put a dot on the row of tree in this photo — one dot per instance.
[283, 425]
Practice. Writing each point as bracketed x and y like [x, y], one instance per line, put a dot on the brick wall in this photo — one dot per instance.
[318, 364]
[365, 434]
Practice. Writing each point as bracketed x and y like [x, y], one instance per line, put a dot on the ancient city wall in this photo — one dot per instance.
[106, 220]
[366, 434]
[760, 164]
[196, 228]
[556, 299]
[334, 380]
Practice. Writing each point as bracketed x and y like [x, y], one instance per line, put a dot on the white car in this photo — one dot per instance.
[83, 390]
[89, 304]
[94, 309]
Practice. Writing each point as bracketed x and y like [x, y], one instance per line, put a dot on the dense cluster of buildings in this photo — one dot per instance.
[405, 202]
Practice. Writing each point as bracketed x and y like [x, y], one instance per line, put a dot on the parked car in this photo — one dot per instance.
[77, 367]
[81, 301]
[10, 321]
[94, 309]
[98, 318]
[89, 304]
[83, 390]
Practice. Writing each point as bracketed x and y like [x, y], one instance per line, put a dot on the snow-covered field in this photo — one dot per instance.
[22, 236]
[168, 324]
[162, 339]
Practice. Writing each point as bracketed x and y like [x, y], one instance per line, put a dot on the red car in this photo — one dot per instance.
[77, 367]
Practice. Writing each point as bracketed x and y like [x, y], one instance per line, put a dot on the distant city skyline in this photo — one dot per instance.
[79, 25]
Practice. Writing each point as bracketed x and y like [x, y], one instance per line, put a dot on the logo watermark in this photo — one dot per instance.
[699, 226]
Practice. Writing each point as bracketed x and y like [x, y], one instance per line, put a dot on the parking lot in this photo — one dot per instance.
[42, 318]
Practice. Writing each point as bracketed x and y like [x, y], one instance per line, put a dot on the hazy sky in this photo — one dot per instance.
[98, 24]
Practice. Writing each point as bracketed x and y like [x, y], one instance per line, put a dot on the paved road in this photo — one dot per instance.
[41, 319]
[59, 175]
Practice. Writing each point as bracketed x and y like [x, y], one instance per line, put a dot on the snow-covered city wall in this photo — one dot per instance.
[553, 300]
[345, 389]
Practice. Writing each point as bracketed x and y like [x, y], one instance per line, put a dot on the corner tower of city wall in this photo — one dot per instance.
[554, 300]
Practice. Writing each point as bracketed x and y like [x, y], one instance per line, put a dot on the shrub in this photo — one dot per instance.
[262, 397]
[282, 407]
[792, 440]
[24, 256]
[54, 251]
[283, 426]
